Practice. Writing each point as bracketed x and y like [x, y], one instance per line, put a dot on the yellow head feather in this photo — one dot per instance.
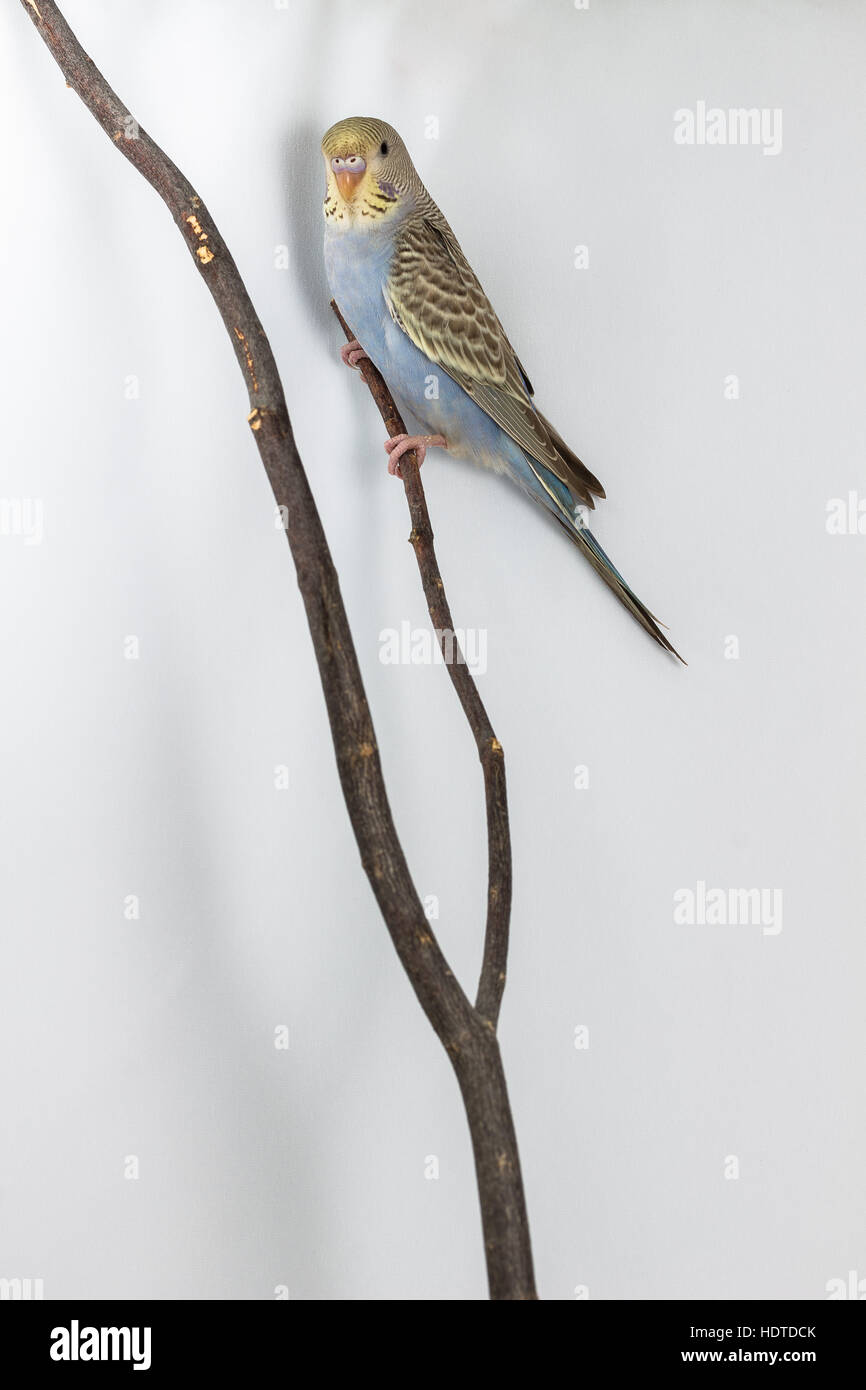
[387, 175]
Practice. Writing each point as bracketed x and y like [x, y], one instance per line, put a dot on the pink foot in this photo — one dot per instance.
[399, 445]
[352, 353]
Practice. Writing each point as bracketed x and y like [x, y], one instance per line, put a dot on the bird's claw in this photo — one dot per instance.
[352, 353]
[400, 444]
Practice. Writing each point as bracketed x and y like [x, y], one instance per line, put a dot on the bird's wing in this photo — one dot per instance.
[433, 294]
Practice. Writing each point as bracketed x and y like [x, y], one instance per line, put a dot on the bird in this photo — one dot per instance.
[419, 313]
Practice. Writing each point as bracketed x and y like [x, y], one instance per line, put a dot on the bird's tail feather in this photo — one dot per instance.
[604, 566]
[555, 494]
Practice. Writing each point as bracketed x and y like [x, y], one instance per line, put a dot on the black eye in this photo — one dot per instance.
[384, 149]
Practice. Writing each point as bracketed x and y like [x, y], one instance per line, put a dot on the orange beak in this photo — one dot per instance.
[348, 181]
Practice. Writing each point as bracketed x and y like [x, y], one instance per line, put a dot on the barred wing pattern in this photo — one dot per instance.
[435, 297]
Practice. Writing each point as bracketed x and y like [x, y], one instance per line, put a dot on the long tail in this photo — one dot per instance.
[603, 565]
[554, 494]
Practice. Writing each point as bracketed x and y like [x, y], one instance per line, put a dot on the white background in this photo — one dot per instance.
[155, 777]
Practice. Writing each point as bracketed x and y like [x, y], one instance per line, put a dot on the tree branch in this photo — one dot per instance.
[492, 980]
[466, 1034]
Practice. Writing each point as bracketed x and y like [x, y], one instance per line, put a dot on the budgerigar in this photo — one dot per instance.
[401, 280]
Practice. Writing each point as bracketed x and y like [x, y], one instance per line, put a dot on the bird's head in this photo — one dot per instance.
[369, 173]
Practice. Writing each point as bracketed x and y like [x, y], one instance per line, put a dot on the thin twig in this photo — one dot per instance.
[492, 979]
[467, 1037]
